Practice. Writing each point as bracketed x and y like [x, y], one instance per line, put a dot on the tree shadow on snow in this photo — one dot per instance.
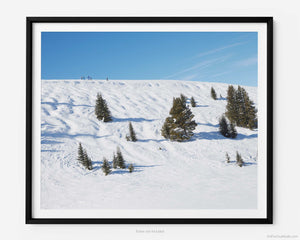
[245, 163]
[132, 120]
[208, 124]
[50, 142]
[217, 136]
[49, 150]
[67, 135]
[153, 140]
[197, 105]
[222, 98]
[137, 168]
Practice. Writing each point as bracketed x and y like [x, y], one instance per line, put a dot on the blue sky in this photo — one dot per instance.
[228, 57]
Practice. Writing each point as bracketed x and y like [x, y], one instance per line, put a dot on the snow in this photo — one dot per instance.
[167, 175]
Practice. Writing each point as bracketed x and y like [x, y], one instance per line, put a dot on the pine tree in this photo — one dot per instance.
[106, 167]
[193, 103]
[213, 93]
[231, 107]
[183, 99]
[179, 127]
[232, 131]
[132, 133]
[166, 128]
[227, 158]
[87, 162]
[130, 168]
[120, 159]
[101, 109]
[227, 130]
[107, 115]
[83, 158]
[240, 110]
[115, 161]
[239, 159]
[80, 157]
[223, 126]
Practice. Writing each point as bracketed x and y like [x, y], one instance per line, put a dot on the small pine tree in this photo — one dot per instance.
[107, 115]
[213, 93]
[132, 133]
[223, 126]
[179, 127]
[227, 130]
[120, 159]
[239, 159]
[183, 99]
[86, 160]
[232, 131]
[130, 168]
[227, 158]
[80, 157]
[166, 128]
[115, 161]
[101, 109]
[106, 166]
[193, 103]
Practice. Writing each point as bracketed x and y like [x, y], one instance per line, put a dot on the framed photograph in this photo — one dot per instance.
[149, 120]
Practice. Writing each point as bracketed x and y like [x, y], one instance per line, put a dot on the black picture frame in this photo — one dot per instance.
[29, 120]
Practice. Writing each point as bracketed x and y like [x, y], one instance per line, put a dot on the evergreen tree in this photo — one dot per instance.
[115, 161]
[101, 109]
[213, 93]
[132, 133]
[86, 160]
[227, 130]
[183, 99]
[166, 128]
[83, 158]
[179, 127]
[130, 168]
[227, 158]
[193, 103]
[80, 157]
[106, 167]
[239, 159]
[120, 159]
[231, 107]
[232, 131]
[240, 110]
[223, 126]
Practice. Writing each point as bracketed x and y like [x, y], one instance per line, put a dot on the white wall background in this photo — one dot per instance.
[286, 115]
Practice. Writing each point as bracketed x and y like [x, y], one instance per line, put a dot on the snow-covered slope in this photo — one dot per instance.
[167, 174]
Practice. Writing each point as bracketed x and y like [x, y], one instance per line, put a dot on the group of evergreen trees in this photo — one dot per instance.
[179, 126]
[101, 109]
[227, 129]
[239, 159]
[240, 110]
[118, 161]
[83, 158]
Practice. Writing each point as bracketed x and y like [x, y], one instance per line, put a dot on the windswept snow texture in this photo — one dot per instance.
[186, 175]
